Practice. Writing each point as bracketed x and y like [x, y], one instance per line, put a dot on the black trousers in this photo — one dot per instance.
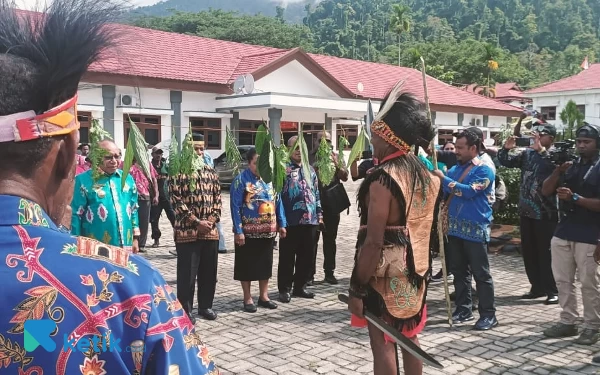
[535, 246]
[332, 223]
[156, 211]
[470, 258]
[144, 220]
[296, 251]
[197, 264]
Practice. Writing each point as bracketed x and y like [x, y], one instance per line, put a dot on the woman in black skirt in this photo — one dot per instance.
[257, 218]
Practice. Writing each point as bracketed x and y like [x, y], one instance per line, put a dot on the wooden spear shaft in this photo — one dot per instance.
[440, 231]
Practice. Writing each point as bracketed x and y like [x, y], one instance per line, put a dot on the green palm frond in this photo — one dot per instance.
[324, 163]
[233, 156]
[136, 148]
[174, 162]
[97, 154]
[342, 144]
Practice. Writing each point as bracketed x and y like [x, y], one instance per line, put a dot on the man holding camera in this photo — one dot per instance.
[577, 185]
[538, 212]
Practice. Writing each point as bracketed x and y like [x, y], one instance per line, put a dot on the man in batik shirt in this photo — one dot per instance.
[74, 290]
[302, 205]
[196, 198]
[147, 190]
[104, 210]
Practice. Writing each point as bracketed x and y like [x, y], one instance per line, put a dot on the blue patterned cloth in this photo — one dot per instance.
[470, 211]
[93, 294]
[255, 211]
[300, 196]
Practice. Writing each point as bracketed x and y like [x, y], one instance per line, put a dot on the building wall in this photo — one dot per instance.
[294, 78]
[589, 98]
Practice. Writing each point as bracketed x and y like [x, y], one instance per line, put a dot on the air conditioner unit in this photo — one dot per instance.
[128, 101]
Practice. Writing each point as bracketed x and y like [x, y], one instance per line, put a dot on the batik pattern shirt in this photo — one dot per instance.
[300, 196]
[142, 183]
[470, 211]
[255, 210]
[104, 211]
[534, 171]
[111, 311]
[195, 198]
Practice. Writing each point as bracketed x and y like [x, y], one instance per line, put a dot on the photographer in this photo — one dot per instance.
[577, 185]
[538, 212]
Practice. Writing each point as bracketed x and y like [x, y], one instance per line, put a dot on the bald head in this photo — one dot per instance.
[112, 158]
[292, 141]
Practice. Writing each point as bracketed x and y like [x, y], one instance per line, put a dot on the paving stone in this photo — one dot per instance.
[314, 336]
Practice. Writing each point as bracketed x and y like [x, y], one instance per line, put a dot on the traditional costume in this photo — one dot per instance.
[105, 311]
[397, 290]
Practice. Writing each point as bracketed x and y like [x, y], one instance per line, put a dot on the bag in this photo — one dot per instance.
[444, 221]
[335, 199]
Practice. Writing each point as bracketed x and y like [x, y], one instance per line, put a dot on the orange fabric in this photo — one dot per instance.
[409, 333]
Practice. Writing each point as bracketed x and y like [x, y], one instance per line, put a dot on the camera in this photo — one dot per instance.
[524, 142]
[562, 152]
[367, 155]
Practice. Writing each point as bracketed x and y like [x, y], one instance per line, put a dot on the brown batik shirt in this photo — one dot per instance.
[193, 204]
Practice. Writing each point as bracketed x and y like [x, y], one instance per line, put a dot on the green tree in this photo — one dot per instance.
[400, 25]
[572, 118]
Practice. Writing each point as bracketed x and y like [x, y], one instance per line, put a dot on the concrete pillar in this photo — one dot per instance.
[486, 120]
[461, 119]
[176, 99]
[109, 93]
[275, 124]
[235, 127]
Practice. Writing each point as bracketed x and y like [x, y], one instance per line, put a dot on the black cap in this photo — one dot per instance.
[588, 131]
[474, 130]
[197, 137]
[544, 129]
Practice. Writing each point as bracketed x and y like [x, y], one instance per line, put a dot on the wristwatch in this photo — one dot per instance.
[575, 197]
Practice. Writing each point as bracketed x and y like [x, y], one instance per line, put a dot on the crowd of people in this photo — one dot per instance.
[63, 207]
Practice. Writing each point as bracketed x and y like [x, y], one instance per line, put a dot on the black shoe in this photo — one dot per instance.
[310, 282]
[193, 320]
[207, 314]
[285, 297]
[224, 251]
[551, 300]
[142, 250]
[330, 279]
[486, 323]
[249, 307]
[156, 244]
[462, 317]
[452, 296]
[533, 295]
[173, 252]
[267, 304]
[303, 293]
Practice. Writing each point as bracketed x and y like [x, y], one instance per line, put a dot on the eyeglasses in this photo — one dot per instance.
[111, 157]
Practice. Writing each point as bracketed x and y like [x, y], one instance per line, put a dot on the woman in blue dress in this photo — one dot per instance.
[257, 216]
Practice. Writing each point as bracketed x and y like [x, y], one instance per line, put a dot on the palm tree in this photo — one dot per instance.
[400, 24]
[490, 55]
[572, 117]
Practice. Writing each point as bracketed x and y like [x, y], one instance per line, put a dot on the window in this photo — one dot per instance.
[548, 113]
[148, 125]
[349, 131]
[581, 108]
[210, 128]
[85, 121]
[310, 132]
[445, 136]
[247, 132]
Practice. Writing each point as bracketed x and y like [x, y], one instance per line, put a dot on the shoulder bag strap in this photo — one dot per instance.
[462, 177]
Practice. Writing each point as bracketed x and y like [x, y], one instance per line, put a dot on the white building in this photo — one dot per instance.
[582, 88]
[167, 82]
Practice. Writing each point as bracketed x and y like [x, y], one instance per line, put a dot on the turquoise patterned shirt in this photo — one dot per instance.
[105, 212]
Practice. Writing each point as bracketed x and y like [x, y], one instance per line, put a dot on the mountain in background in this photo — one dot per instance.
[294, 11]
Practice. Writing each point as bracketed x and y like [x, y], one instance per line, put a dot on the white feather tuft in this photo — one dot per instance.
[391, 100]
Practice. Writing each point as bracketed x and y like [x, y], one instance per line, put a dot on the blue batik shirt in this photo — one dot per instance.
[300, 196]
[110, 312]
[255, 210]
[470, 211]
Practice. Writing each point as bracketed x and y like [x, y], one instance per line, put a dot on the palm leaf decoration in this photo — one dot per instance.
[97, 154]
[190, 161]
[266, 158]
[281, 160]
[342, 144]
[261, 136]
[324, 163]
[361, 141]
[136, 148]
[174, 162]
[304, 159]
[233, 156]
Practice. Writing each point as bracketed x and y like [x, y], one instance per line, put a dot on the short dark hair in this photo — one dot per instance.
[471, 138]
[42, 60]
[250, 154]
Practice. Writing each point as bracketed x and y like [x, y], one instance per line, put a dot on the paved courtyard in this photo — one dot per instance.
[314, 336]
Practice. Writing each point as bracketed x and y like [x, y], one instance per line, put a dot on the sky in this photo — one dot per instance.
[31, 4]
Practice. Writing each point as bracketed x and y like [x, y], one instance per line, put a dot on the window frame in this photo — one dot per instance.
[547, 111]
[142, 125]
[84, 125]
[205, 128]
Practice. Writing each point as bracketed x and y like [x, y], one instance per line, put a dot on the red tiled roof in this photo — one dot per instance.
[585, 80]
[378, 79]
[165, 55]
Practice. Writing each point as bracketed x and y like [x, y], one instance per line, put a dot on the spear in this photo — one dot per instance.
[440, 232]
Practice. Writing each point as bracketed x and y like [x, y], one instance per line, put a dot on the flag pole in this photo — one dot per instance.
[440, 232]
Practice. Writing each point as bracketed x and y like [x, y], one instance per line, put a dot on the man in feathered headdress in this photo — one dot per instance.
[97, 295]
[195, 195]
[398, 203]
